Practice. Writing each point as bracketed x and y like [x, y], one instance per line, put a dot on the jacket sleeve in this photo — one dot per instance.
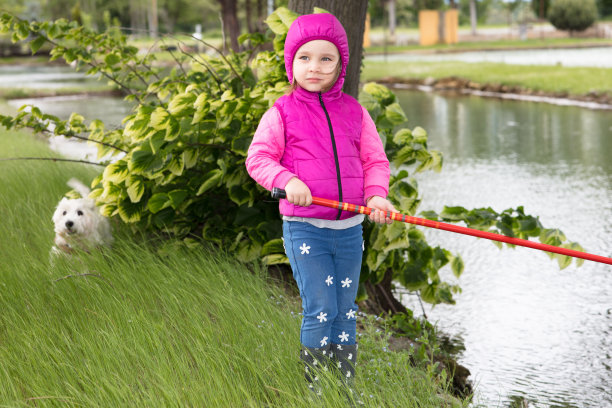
[266, 151]
[373, 159]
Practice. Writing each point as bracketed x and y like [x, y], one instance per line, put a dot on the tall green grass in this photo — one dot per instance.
[150, 325]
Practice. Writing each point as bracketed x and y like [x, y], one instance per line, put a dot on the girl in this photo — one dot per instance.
[318, 141]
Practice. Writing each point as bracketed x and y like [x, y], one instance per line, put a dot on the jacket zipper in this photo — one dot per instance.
[331, 132]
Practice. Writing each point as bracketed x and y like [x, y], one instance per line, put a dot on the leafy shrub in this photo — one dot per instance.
[572, 15]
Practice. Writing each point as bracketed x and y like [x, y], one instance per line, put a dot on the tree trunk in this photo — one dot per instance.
[380, 297]
[230, 21]
[352, 15]
[249, 12]
[453, 4]
[153, 21]
[392, 19]
[473, 16]
[542, 10]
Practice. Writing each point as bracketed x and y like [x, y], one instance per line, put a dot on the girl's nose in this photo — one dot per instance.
[314, 67]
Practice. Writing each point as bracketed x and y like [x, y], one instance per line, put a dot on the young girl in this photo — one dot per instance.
[318, 141]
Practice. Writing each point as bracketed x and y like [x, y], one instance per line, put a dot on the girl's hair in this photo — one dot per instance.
[293, 85]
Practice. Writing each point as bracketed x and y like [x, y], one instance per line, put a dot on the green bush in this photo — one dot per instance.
[572, 15]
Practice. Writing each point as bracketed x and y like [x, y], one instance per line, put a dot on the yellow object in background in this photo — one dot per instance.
[436, 27]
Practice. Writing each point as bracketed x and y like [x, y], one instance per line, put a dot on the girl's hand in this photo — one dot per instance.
[298, 193]
[380, 205]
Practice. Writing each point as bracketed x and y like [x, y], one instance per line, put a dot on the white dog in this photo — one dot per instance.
[79, 224]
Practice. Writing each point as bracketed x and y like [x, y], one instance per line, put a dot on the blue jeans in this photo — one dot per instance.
[326, 264]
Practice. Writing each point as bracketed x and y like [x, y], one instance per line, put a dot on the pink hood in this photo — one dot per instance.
[317, 27]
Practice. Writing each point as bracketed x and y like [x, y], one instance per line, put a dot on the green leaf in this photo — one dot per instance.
[54, 31]
[213, 178]
[274, 246]
[158, 202]
[173, 129]
[275, 259]
[135, 188]
[142, 159]
[276, 23]
[420, 135]
[395, 114]
[177, 197]
[287, 16]
[190, 158]
[453, 213]
[181, 104]
[413, 276]
[36, 43]
[239, 195]
[381, 93]
[112, 59]
[159, 118]
[129, 212]
[319, 10]
[457, 266]
[22, 30]
[402, 137]
[116, 172]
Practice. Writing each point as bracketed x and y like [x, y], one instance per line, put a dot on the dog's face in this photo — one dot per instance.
[74, 217]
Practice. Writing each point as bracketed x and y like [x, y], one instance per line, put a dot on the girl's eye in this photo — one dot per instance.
[79, 212]
[326, 59]
[304, 58]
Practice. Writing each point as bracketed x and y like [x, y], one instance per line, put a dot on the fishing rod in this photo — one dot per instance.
[278, 193]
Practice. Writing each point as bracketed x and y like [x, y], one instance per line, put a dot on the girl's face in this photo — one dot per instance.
[315, 65]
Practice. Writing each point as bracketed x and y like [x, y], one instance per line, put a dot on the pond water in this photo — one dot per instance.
[42, 77]
[531, 331]
[570, 57]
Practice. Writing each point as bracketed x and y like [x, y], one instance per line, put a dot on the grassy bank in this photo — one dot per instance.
[155, 326]
[506, 44]
[574, 80]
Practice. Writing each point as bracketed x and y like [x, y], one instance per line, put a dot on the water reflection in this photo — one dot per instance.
[42, 77]
[530, 330]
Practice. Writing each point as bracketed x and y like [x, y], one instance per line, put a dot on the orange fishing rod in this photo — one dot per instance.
[278, 193]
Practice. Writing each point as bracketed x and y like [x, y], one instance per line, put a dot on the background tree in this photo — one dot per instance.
[510, 7]
[231, 25]
[572, 15]
[352, 15]
[604, 7]
[473, 12]
[540, 8]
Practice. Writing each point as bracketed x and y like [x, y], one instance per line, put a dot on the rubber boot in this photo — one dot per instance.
[315, 360]
[345, 357]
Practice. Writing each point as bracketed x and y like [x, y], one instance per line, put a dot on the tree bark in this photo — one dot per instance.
[352, 15]
[153, 21]
[249, 16]
[230, 21]
[473, 16]
[392, 18]
[380, 297]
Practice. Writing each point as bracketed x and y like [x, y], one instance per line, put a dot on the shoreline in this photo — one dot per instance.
[460, 49]
[592, 100]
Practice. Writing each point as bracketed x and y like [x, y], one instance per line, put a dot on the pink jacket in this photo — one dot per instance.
[327, 140]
